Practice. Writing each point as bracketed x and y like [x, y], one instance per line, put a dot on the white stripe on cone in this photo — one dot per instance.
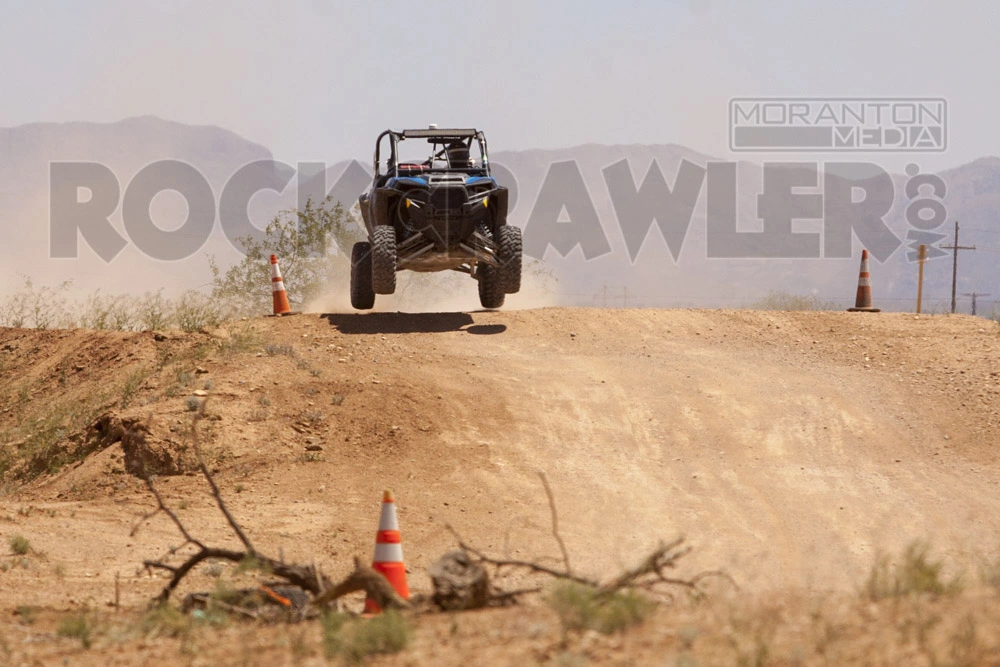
[387, 520]
[277, 284]
[388, 553]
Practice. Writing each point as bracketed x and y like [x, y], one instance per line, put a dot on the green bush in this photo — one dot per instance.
[582, 607]
[153, 312]
[166, 621]
[194, 311]
[109, 312]
[37, 307]
[355, 639]
[79, 626]
[313, 246]
[19, 544]
[914, 574]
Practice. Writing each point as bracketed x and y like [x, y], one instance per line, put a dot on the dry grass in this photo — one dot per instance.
[581, 607]
[79, 626]
[355, 639]
[45, 307]
[788, 301]
[19, 544]
[914, 573]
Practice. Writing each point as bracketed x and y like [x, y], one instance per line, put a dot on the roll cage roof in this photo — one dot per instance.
[439, 134]
[433, 136]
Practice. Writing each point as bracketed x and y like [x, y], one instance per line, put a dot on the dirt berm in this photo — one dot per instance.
[787, 447]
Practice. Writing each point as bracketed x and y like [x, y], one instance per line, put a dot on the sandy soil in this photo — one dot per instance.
[786, 447]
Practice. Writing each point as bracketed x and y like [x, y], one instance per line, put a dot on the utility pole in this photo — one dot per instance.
[921, 258]
[974, 295]
[954, 264]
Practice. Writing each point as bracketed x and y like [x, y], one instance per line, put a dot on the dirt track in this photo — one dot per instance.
[787, 447]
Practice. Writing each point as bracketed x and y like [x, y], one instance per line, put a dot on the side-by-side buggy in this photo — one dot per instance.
[436, 209]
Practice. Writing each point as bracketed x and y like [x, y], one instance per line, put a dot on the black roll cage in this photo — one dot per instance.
[433, 136]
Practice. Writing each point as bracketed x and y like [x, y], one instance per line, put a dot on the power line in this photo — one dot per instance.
[982, 230]
[974, 295]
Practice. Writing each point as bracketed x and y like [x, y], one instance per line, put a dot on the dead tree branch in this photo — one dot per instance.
[500, 563]
[555, 521]
[364, 578]
[306, 577]
[648, 574]
[215, 488]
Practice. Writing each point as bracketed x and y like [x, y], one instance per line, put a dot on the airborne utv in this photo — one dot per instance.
[444, 212]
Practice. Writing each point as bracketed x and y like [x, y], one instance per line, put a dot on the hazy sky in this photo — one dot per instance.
[318, 79]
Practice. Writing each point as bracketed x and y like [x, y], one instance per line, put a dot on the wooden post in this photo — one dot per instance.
[921, 257]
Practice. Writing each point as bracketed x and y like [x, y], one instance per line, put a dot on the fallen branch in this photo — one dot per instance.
[306, 577]
[364, 578]
[649, 573]
[555, 521]
[500, 563]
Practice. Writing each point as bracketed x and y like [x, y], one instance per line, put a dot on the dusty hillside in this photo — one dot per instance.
[787, 447]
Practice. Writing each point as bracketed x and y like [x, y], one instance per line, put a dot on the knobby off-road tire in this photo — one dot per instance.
[362, 294]
[491, 293]
[509, 256]
[384, 259]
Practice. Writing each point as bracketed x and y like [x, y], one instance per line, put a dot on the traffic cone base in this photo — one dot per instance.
[388, 559]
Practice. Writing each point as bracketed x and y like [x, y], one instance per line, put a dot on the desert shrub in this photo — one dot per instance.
[914, 574]
[131, 386]
[25, 614]
[19, 544]
[111, 312]
[242, 338]
[194, 311]
[79, 626]
[582, 607]
[47, 307]
[39, 442]
[356, 639]
[313, 246]
[34, 307]
[165, 621]
[152, 312]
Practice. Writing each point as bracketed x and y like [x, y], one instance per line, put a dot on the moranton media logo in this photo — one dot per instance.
[842, 124]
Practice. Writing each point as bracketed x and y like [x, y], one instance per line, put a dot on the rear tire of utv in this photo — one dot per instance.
[490, 289]
[362, 294]
[384, 259]
[509, 256]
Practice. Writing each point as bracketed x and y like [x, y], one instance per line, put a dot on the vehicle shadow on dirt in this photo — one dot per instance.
[396, 323]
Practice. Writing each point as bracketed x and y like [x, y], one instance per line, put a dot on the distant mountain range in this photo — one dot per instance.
[654, 278]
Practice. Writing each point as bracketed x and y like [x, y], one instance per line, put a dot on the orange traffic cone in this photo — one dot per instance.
[863, 302]
[281, 306]
[388, 552]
